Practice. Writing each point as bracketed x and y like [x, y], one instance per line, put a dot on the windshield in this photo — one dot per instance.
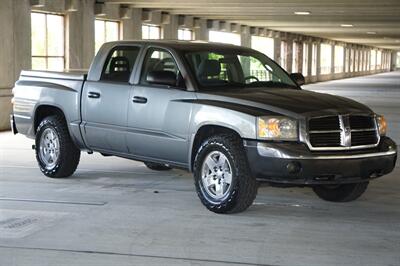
[230, 69]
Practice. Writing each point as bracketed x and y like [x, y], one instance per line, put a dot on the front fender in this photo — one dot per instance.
[204, 115]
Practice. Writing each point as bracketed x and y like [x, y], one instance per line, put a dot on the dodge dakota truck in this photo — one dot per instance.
[229, 114]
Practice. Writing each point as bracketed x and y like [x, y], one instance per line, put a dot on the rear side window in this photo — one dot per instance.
[119, 64]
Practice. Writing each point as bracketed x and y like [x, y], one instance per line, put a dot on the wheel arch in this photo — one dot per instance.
[204, 132]
[45, 110]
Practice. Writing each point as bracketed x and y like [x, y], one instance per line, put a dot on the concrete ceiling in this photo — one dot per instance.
[375, 22]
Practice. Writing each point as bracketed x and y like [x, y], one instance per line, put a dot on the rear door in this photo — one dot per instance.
[105, 102]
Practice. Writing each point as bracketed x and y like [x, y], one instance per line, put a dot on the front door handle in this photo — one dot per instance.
[93, 94]
[138, 99]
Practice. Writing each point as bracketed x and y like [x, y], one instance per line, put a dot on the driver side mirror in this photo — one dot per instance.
[162, 78]
[298, 78]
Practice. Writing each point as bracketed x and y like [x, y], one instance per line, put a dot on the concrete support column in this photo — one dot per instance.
[310, 59]
[300, 57]
[245, 37]
[171, 29]
[289, 56]
[387, 61]
[384, 61]
[353, 63]
[318, 61]
[201, 32]
[369, 60]
[277, 50]
[80, 36]
[132, 28]
[356, 60]
[333, 59]
[393, 59]
[345, 52]
[361, 59]
[15, 52]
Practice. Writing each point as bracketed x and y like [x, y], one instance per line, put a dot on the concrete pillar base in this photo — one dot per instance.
[5, 108]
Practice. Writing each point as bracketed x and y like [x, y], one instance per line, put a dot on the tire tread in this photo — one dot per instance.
[246, 188]
[69, 153]
[344, 193]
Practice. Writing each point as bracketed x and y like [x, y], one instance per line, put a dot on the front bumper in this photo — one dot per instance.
[294, 163]
[13, 126]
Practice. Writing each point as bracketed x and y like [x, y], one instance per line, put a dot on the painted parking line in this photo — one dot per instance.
[93, 203]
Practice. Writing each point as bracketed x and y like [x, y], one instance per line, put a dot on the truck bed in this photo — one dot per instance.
[40, 88]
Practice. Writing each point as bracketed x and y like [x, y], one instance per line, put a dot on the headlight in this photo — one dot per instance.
[277, 128]
[382, 124]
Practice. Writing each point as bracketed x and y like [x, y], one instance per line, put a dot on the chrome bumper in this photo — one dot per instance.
[267, 150]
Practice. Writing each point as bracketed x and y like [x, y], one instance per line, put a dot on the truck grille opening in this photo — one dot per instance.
[324, 123]
[363, 138]
[325, 139]
[343, 132]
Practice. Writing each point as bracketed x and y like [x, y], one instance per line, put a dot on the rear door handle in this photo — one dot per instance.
[93, 94]
[138, 99]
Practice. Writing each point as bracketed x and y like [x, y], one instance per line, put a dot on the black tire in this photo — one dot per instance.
[243, 189]
[69, 155]
[157, 166]
[341, 193]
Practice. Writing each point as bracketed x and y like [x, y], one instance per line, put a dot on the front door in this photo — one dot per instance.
[159, 115]
[105, 102]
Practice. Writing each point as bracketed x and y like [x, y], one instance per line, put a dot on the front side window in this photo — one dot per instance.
[232, 69]
[47, 41]
[159, 60]
[119, 64]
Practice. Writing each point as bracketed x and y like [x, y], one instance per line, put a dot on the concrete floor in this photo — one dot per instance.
[117, 212]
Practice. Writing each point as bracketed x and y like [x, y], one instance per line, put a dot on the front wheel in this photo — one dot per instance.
[56, 153]
[341, 193]
[223, 179]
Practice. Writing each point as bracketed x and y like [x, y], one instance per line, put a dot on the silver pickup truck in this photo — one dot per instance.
[229, 114]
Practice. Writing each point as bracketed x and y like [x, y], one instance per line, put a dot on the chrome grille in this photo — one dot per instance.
[342, 132]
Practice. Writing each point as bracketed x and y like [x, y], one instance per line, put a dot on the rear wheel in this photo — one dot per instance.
[223, 179]
[56, 153]
[341, 193]
[157, 166]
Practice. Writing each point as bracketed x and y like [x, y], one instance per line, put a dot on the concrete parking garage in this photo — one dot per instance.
[114, 211]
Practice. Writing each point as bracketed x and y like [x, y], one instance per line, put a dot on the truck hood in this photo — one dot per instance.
[288, 101]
